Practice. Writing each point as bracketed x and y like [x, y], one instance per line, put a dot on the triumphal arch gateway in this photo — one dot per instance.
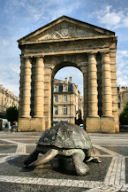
[68, 42]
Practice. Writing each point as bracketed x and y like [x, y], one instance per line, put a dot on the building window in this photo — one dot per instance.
[56, 110]
[65, 110]
[65, 88]
[56, 98]
[55, 89]
[65, 98]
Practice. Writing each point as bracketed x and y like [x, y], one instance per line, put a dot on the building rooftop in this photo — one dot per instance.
[7, 91]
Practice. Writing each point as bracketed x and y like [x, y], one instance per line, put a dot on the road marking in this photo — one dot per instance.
[6, 154]
[50, 182]
[108, 175]
[21, 148]
[106, 150]
[94, 186]
[9, 141]
[116, 171]
[122, 176]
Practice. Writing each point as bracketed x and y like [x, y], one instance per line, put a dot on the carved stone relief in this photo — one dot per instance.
[64, 30]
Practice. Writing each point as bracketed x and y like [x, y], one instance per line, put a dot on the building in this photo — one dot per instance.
[66, 99]
[7, 99]
[122, 98]
[69, 42]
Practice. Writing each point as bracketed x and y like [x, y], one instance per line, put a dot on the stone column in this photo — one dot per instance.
[92, 86]
[106, 86]
[21, 85]
[39, 88]
[84, 70]
[85, 83]
[47, 96]
[26, 98]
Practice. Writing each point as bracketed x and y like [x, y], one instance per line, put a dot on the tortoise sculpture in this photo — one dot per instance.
[67, 140]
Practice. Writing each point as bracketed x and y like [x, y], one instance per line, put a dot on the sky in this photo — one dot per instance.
[20, 17]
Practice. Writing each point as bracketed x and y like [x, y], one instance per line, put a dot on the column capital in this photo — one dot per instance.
[105, 58]
[39, 57]
[26, 57]
[105, 53]
[29, 58]
[92, 53]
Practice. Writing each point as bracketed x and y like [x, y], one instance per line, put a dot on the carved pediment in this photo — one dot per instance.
[65, 28]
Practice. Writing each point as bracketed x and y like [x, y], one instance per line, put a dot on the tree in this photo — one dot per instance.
[12, 114]
[124, 115]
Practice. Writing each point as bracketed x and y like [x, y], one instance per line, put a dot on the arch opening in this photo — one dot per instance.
[67, 94]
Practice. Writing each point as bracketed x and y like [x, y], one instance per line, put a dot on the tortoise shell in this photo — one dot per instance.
[66, 135]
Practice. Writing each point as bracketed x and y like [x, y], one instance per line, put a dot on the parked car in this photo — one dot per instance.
[81, 126]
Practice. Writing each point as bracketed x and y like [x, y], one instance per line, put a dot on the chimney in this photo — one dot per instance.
[66, 80]
[70, 79]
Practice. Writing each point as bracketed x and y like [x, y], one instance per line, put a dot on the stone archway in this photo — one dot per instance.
[62, 42]
[72, 94]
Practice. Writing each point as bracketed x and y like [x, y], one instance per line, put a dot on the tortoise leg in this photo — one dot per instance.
[95, 159]
[46, 157]
[32, 157]
[81, 167]
[91, 154]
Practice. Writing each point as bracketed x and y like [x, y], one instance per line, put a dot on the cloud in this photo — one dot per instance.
[112, 18]
[45, 10]
[9, 76]
[64, 9]
[5, 42]
[122, 68]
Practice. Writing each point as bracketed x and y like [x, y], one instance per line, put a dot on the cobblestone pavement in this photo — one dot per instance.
[109, 176]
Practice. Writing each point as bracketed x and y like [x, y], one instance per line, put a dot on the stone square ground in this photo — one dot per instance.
[110, 176]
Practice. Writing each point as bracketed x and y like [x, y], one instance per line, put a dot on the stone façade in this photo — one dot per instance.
[69, 42]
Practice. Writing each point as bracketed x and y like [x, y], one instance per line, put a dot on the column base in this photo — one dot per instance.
[47, 120]
[31, 124]
[107, 124]
[93, 124]
[24, 124]
[100, 124]
[37, 124]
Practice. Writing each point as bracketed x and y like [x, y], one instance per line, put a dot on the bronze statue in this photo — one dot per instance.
[67, 140]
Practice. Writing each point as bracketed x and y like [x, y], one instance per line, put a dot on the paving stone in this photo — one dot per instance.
[8, 149]
[14, 178]
[30, 148]
[119, 149]
[9, 187]
[14, 167]
[4, 142]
